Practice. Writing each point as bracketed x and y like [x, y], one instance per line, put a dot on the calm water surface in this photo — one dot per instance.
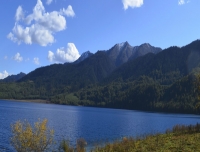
[93, 124]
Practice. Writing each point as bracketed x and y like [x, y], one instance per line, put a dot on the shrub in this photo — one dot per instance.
[65, 147]
[80, 145]
[35, 139]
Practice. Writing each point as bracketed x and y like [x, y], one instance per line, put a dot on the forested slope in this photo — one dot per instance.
[167, 81]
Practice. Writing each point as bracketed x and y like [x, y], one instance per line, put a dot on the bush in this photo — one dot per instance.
[65, 147]
[80, 145]
[35, 139]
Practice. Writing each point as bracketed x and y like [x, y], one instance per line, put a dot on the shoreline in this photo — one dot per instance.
[48, 102]
[29, 100]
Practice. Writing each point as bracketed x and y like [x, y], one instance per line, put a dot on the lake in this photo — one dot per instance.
[95, 125]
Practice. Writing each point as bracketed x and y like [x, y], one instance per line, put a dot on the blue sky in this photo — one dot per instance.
[37, 33]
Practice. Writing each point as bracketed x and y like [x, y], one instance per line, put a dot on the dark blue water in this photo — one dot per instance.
[95, 125]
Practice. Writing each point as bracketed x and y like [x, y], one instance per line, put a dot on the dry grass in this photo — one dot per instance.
[180, 138]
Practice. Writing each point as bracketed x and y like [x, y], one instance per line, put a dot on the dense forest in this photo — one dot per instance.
[165, 81]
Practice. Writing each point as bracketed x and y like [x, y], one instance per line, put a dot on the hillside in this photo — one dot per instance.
[88, 69]
[165, 67]
[121, 77]
[13, 78]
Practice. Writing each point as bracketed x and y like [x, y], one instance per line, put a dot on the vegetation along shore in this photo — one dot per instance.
[41, 138]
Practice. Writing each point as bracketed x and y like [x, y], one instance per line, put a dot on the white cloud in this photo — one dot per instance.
[48, 2]
[18, 58]
[40, 26]
[4, 74]
[12, 37]
[132, 3]
[51, 56]
[5, 57]
[36, 61]
[62, 55]
[68, 12]
[182, 2]
[19, 14]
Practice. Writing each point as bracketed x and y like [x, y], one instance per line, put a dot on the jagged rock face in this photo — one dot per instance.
[84, 56]
[122, 52]
[145, 49]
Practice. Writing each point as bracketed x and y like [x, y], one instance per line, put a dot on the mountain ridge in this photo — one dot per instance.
[13, 78]
[83, 56]
[96, 66]
[165, 81]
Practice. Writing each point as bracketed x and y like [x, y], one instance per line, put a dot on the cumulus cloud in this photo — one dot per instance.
[48, 2]
[62, 55]
[19, 14]
[18, 57]
[68, 12]
[40, 26]
[36, 61]
[51, 56]
[132, 3]
[4, 74]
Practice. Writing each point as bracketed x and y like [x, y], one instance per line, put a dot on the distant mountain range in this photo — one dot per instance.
[117, 55]
[13, 78]
[90, 68]
[140, 77]
[122, 52]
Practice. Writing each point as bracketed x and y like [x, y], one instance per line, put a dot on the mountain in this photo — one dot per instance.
[75, 76]
[167, 81]
[88, 69]
[13, 78]
[141, 77]
[165, 67]
[145, 49]
[122, 52]
[84, 56]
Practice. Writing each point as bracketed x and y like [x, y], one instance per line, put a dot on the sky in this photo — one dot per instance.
[37, 33]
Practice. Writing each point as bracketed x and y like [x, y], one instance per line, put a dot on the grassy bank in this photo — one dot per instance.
[180, 138]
